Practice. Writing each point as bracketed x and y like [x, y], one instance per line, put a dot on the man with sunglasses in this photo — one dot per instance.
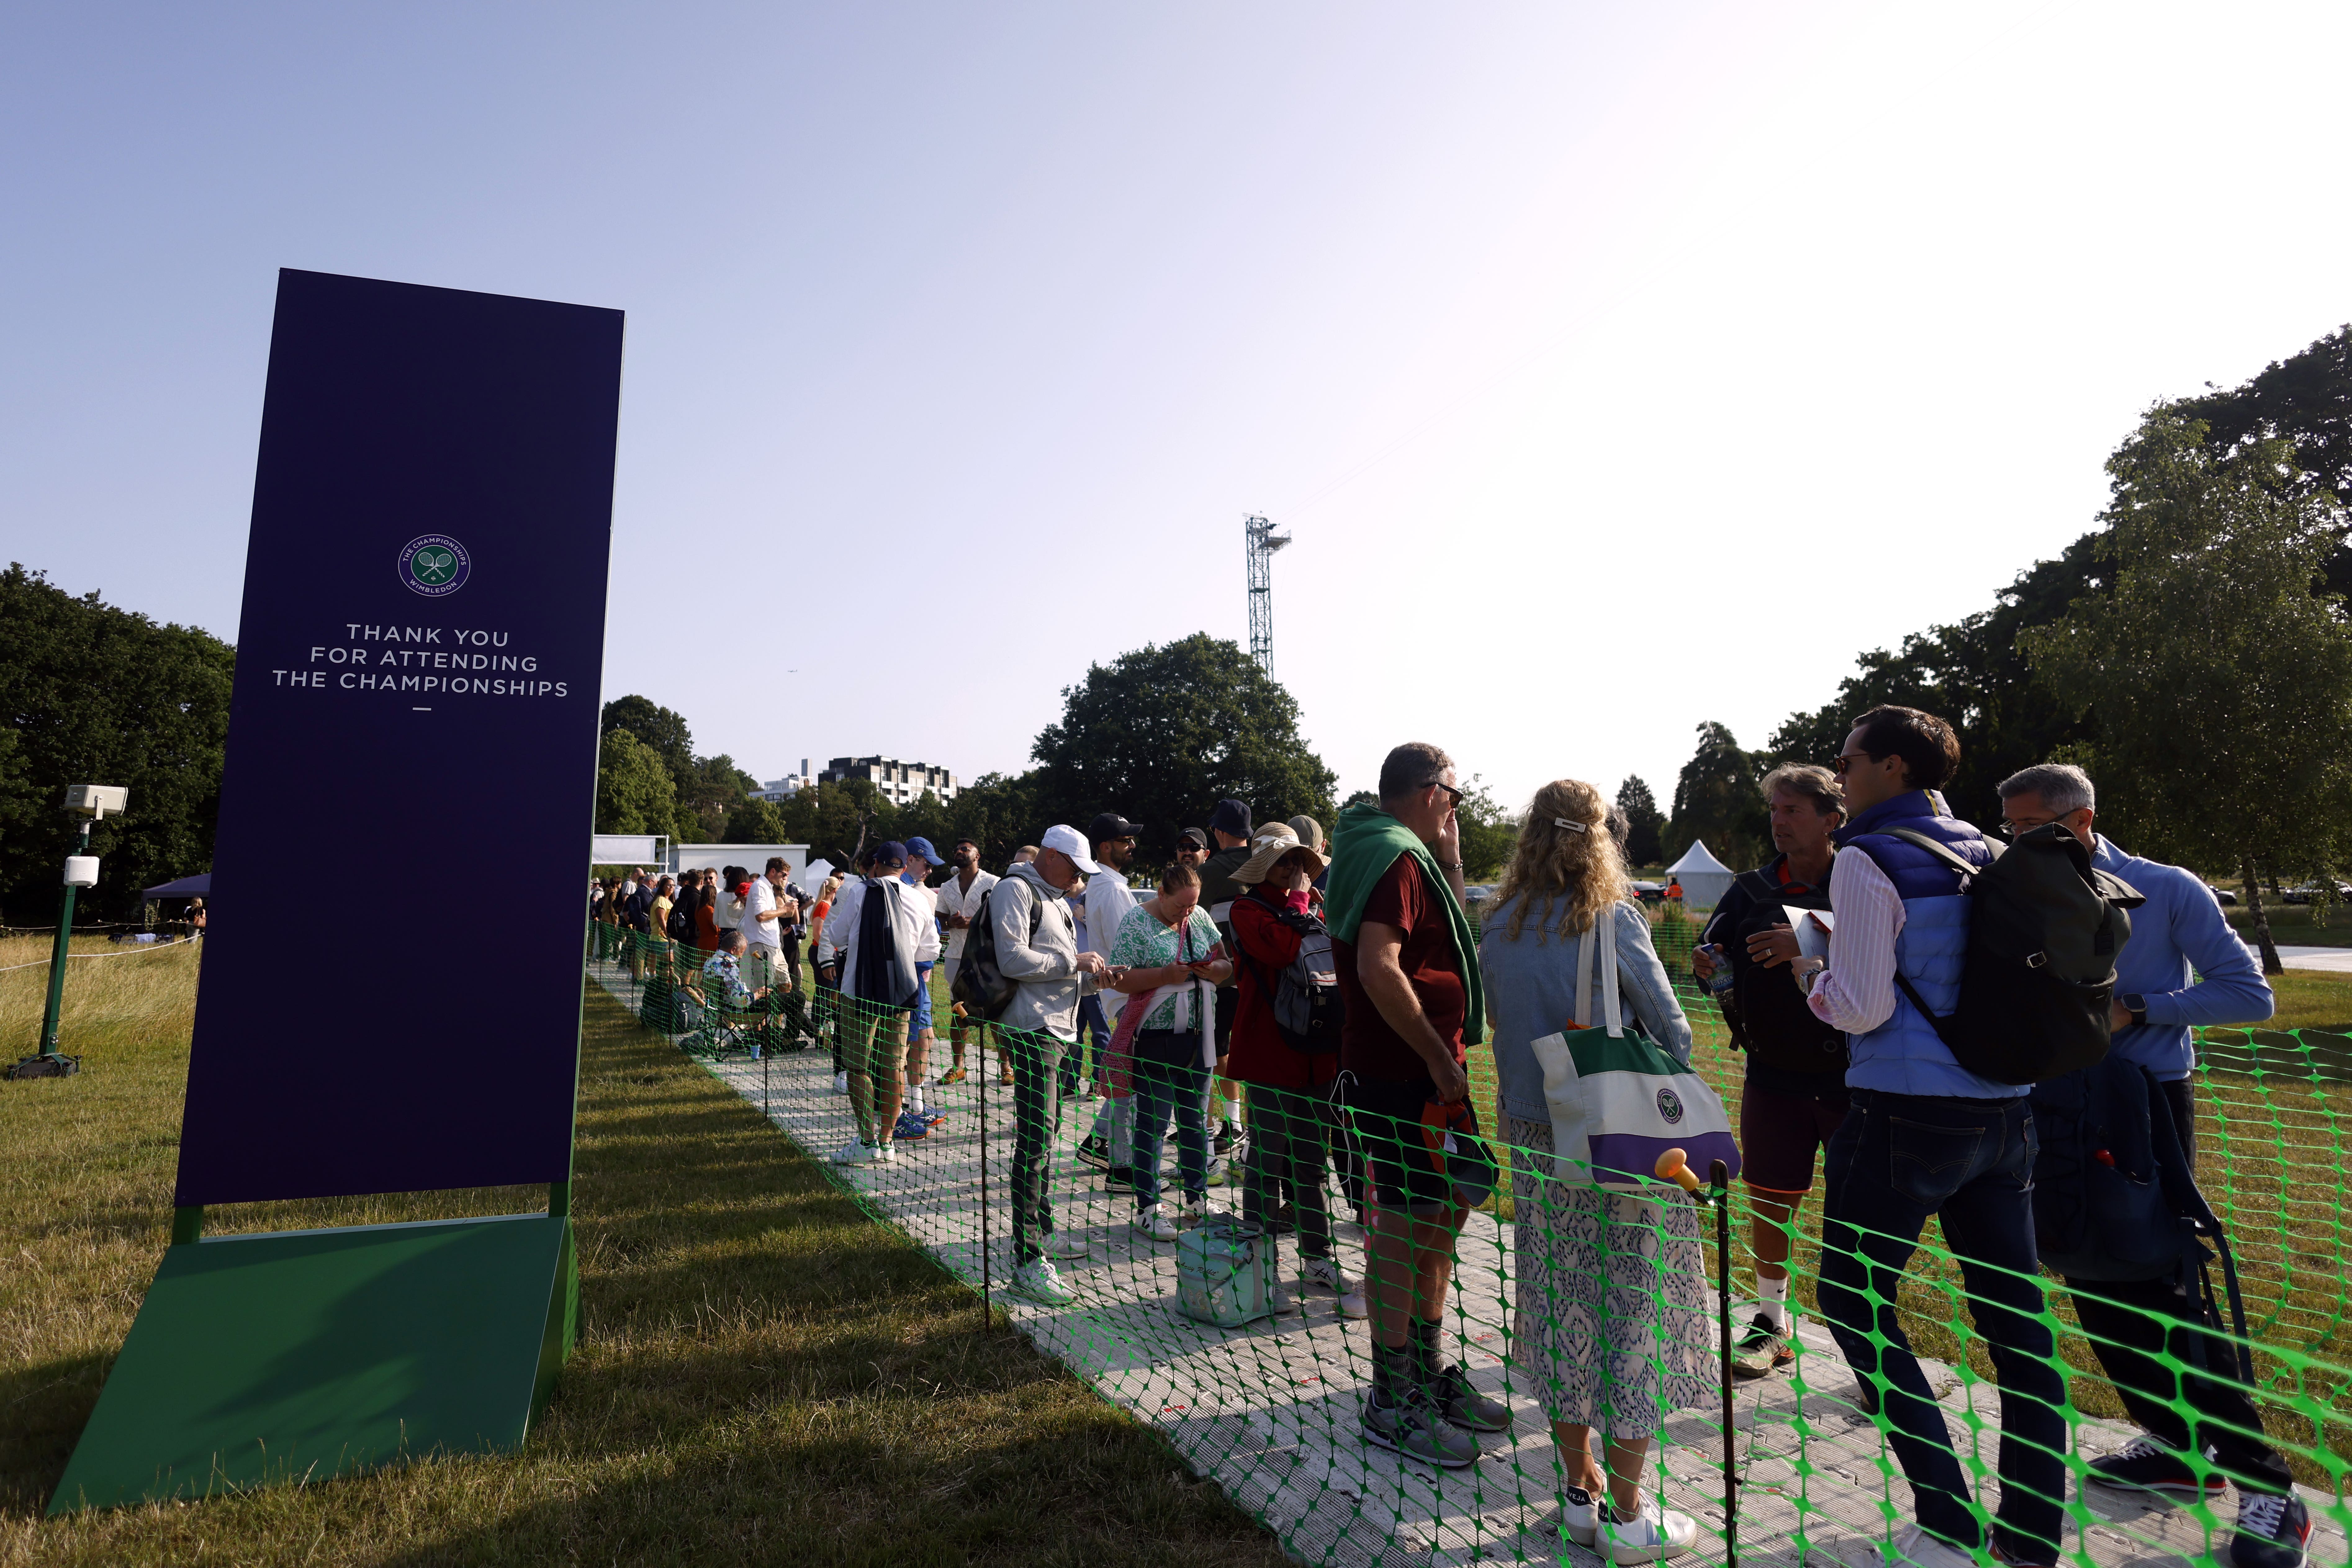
[1407, 971]
[1927, 1137]
[2181, 966]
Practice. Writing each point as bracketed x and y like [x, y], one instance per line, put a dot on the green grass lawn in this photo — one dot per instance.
[765, 1374]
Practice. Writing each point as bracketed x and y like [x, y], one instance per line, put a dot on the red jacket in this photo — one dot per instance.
[1260, 1055]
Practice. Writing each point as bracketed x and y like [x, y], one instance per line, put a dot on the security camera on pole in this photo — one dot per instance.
[94, 801]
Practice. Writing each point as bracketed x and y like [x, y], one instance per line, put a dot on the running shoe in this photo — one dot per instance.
[910, 1126]
[1463, 1406]
[1653, 1532]
[1042, 1283]
[855, 1153]
[2273, 1531]
[1326, 1272]
[1066, 1244]
[1762, 1350]
[953, 1075]
[1410, 1425]
[2146, 1465]
[1915, 1548]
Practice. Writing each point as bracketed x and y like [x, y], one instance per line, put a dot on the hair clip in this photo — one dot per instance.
[1571, 826]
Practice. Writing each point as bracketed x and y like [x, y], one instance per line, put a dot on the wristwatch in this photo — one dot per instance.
[1449, 865]
[2136, 1004]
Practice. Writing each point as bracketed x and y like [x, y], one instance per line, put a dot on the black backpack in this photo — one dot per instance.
[681, 921]
[2115, 1199]
[1767, 1013]
[1305, 993]
[2044, 928]
[979, 983]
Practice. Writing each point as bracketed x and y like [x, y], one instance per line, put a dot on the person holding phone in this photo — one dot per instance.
[1169, 960]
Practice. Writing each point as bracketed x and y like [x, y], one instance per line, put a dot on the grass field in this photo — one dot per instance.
[764, 1375]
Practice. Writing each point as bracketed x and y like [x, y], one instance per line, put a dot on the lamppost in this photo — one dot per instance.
[94, 801]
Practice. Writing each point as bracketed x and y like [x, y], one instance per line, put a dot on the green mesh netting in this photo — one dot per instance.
[1271, 1408]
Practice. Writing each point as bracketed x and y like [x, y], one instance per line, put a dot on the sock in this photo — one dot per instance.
[1422, 1340]
[1391, 1366]
[915, 1099]
[1772, 1300]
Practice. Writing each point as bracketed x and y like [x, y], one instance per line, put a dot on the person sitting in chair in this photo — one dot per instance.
[722, 975]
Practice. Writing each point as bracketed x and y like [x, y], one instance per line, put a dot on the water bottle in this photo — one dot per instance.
[1720, 981]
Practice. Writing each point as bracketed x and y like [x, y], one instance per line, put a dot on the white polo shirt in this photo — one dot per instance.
[955, 899]
[1109, 899]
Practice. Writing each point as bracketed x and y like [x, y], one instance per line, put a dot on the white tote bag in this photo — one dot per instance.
[1619, 1099]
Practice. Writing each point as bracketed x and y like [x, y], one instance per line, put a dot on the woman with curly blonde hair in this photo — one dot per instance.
[1612, 1318]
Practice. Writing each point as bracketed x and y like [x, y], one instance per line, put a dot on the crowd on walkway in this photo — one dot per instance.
[1301, 1012]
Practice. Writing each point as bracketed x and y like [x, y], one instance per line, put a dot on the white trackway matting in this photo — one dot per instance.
[1270, 1410]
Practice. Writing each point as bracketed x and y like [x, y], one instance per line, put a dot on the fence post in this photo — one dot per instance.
[979, 1053]
[1719, 1178]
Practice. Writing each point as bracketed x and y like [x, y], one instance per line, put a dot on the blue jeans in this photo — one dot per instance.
[1898, 1159]
[1170, 1082]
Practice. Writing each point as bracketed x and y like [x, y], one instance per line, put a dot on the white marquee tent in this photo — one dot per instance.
[1704, 878]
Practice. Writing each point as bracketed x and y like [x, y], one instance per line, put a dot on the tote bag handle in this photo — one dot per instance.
[1612, 1008]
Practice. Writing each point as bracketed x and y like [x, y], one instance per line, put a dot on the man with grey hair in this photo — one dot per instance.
[1793, 1096]
[2182, 966]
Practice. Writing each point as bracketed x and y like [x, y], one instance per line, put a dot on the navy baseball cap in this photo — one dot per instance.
[922, 846]
[890, 852]
[1109, 825]
[1231, 817]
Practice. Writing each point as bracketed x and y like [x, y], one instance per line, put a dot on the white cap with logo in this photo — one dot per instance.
[1068, 840]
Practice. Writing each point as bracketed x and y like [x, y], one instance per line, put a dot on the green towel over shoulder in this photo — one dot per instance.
[1364, 845]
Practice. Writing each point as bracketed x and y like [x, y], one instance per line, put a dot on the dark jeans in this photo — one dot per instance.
[1037, 1123]
[2140, 1319]
[1091, 1019]
[1898, 1159]
[1170, 1081]
[1292, 1134]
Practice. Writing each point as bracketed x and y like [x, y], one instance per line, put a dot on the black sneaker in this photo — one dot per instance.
[2146, 1465]
[1762, 1350]
[1412, 1426]
[2273, 1531]
[1120, 1179]
[1095, 1151]
[1224, 1141]
[1463, 1406]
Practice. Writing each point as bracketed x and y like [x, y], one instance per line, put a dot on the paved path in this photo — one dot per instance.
[1270, 1411]
[2338, 959]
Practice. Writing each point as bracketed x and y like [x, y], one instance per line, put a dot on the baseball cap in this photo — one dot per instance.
[1193, 837]
[890, 852]
[1231, 816]
[1064, 837]
[1109, 825]
[918, 845]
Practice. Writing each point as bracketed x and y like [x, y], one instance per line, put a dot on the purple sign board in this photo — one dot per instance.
[392, 975]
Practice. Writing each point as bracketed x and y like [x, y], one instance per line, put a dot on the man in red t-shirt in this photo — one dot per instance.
[1402, 1049]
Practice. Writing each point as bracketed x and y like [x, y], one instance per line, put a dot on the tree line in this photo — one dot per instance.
[2191, 651]
[1159, 735]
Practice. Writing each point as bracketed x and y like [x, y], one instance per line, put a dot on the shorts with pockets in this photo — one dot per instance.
[1387, 1122]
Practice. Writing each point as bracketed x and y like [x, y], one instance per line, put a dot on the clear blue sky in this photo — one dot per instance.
[1577, 343]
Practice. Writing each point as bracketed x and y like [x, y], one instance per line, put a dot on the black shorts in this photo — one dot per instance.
[1229, 1002]
[1780, 1133]
[1387, 1122]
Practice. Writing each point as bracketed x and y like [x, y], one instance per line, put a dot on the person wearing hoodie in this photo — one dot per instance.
[885, 933]
[1037, 950]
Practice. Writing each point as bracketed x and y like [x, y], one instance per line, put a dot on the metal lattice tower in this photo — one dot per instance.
[1260, 543]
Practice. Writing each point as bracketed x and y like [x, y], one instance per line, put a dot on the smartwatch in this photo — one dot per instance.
[2136, 1004]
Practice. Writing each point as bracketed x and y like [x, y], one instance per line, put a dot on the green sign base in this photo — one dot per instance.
[299, 1355]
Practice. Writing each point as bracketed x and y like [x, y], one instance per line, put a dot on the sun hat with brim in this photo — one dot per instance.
[1270, 846]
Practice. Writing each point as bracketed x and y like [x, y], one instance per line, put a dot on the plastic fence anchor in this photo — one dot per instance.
[1718, 1176]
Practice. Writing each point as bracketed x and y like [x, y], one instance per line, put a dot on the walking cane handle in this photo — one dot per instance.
[1674, 1165]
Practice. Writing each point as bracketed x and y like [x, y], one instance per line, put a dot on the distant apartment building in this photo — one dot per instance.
[786, 787]
[900, 784]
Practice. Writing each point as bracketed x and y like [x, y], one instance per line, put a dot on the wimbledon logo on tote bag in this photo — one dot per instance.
[1619, 1099]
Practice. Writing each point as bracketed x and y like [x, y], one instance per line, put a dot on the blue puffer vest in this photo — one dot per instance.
[1903, 1055]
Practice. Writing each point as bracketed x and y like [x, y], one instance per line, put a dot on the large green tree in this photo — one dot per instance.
[1645, 845]
[1163, 733]
[2221, 683]
[706, 790]
[1716, 800]
[1489, 833]
[634, 791]
[93, 694]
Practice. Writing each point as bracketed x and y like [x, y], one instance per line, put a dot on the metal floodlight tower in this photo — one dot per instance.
[1260, 541]
[94, 801]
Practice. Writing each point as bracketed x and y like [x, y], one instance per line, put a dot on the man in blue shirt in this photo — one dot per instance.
[2183, 966]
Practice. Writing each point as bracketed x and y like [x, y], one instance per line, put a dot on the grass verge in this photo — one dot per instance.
[765, 1375]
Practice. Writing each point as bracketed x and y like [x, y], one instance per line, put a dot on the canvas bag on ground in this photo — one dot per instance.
[1224, 1273]
[1619, 1099]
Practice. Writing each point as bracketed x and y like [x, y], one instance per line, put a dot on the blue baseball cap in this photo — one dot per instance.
[922, 846]
[890, 852]
[1233, 817]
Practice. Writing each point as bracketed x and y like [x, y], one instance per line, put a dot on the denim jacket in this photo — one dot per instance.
[1531, 993]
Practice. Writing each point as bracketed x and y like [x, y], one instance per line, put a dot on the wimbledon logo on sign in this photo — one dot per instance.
[433, 565]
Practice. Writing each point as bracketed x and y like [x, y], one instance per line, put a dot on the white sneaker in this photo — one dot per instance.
[1651, 1534]
[885, 1154]
[1066, 1244]
[853, 1153]
[1915, 1548]
[1198, 1212]
[1280, 1299]
[1154, 1223]
[1042, 1283]
[1580, 1515]
[1326, 1272]
[841, 1083]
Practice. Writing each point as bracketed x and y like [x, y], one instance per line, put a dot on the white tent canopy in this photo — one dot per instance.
[1704, 878]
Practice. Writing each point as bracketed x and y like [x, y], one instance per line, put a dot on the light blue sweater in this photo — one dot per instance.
[2178, 937]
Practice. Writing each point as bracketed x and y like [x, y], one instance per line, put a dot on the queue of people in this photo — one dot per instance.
[1344, 986]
